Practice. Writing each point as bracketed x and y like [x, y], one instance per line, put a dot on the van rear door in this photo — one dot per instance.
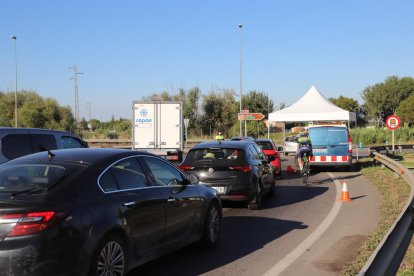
[330, 145]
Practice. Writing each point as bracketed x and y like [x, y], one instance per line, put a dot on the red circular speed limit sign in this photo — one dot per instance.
[393, 122]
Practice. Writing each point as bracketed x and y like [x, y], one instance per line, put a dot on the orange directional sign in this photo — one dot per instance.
[250, 116]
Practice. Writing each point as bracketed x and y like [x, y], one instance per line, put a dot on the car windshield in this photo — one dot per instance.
[16, 178]
[291, 139]
[265, 145]
[221, 155]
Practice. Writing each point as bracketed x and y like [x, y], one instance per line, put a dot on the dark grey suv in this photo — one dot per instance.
[16, 142]
[238, 170]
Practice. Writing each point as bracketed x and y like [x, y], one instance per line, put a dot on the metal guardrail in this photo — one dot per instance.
[386, 259]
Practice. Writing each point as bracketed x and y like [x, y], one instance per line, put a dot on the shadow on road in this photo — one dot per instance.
[241, 235]
[287, 195]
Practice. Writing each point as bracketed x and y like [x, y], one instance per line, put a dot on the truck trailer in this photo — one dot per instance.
[158, 128]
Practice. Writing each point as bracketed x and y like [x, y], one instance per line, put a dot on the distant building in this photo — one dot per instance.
[274, 126]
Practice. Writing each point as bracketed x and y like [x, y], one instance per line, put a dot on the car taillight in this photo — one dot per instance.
[185, 168]
[349, 144]
[172, 157]
[245, 169]
[31, 223]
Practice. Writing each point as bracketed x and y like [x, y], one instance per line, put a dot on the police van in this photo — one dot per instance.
[331, 144]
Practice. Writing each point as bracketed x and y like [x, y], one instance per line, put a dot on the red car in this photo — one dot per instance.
[269, 148]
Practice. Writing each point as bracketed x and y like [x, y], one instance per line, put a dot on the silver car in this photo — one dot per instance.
[290, 145]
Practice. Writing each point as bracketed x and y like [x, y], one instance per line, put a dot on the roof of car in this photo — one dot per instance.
[86, 155]
[24, 129]
[224, 144]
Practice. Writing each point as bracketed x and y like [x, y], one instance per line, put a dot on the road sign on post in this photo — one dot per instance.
[393, 122]
[251, 116]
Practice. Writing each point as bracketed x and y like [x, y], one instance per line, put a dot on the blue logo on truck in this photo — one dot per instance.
[144, 113]
[143, 120]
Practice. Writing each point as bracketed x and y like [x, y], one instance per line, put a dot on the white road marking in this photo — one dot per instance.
[301, 248]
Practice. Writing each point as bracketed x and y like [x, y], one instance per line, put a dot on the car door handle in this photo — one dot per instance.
[171, 199]
[129, 204]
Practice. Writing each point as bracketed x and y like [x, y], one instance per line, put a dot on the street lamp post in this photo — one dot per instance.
[241, 73]
[15, 74]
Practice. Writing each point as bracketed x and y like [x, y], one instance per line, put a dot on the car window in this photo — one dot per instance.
[259, 152]
[42, 142]
[16, 145]
[323, 136]
[227, 156]
[164, 173]
[126, 174]
[70, 142]
[265, 145]
[254, 152]
[19, 177]
[291, 139]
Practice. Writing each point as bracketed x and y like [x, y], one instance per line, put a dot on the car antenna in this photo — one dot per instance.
[50, 155]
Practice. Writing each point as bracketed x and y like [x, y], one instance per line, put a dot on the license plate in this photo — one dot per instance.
[320, 150]
[220, 190]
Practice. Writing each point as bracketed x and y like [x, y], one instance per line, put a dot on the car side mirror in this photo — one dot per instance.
[271, 158]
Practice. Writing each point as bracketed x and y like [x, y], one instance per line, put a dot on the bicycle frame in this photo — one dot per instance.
[305, 169]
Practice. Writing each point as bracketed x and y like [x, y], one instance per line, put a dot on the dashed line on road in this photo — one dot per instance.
[312, 238]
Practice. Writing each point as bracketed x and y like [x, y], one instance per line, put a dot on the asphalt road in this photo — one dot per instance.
[300, 231]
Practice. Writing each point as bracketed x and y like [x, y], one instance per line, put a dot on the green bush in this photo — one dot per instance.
[380, 136]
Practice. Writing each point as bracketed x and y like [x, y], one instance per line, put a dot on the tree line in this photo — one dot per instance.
[212, 112]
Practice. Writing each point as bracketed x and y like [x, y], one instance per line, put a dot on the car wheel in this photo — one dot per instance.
[110, 257]
[256, 204]
[212, 226]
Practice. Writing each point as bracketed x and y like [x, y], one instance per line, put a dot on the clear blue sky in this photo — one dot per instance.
[130, 49]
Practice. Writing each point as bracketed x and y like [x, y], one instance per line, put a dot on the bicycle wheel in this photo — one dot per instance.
[305, 173]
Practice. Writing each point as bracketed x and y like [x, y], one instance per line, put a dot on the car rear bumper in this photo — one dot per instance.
[23, 256]
[239, 193]
[326, 164]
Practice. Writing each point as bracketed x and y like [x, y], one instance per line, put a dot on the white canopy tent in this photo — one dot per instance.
[313, 106]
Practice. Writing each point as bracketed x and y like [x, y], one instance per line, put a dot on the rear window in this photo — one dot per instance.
[326, 136]
[222, 155]
[265, 145]
[19, 177]
[291, 139]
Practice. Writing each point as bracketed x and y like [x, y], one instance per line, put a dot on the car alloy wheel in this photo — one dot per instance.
[111, 259]
[212, 226]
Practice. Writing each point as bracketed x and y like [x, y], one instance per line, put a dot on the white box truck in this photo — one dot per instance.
[158, 128]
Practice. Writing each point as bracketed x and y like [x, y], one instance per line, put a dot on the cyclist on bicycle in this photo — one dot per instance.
[304, 146]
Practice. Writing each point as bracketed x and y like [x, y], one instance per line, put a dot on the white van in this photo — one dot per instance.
[16, 142]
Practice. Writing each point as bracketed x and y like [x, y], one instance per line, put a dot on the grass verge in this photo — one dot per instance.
[394, 193]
